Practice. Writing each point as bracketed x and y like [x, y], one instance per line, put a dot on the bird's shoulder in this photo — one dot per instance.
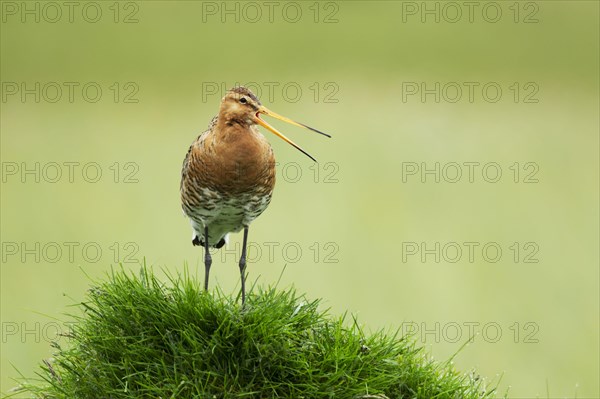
[211, 126]
[200, 139]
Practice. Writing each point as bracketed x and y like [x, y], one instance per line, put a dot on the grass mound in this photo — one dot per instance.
[141, 338]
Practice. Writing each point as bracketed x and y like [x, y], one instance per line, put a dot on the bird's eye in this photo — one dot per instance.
[243, 100]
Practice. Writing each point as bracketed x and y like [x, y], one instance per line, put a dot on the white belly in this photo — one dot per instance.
[227, 216]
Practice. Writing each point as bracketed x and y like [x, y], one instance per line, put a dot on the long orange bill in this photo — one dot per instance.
[266, 111]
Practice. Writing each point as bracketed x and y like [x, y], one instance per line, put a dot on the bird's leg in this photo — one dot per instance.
[207, 259]
[243, 265]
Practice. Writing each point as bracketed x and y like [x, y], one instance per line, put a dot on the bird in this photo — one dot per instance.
[228, 174]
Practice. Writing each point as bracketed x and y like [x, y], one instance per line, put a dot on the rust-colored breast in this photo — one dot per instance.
[231, 165]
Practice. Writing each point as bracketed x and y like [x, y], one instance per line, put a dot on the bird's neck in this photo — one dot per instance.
[230, 129]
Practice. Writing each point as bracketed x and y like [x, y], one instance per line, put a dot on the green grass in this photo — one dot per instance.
[141, 338]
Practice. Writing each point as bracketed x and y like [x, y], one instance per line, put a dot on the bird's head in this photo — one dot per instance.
[242, 106]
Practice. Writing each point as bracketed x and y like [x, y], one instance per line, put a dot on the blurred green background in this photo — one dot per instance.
[350, 228]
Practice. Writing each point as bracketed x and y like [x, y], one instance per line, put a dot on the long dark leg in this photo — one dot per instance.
[243, 265]
[207, 258]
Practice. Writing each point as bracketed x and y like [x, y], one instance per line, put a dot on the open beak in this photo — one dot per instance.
[266, 111]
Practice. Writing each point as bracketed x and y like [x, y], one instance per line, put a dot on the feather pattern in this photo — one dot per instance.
[227, 179]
